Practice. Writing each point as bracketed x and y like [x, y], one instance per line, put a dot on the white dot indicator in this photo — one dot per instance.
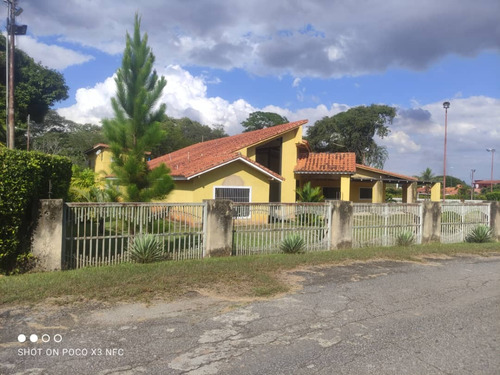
[33, 338]
[21, 338]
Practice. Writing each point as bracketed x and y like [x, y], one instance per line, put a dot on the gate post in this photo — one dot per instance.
[495, 219]
[218, 228]
[341, 225]
[431, 222]
[47, 242]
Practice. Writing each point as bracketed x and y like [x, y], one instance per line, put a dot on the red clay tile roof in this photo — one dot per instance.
[202, 157]
[390, 174]
[327, 163]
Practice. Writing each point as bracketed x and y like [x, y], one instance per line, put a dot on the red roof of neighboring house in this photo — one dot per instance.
[483, 183]
[327, 163]
[202, 157]
[390, 174]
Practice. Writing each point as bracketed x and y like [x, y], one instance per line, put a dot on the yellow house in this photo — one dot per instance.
[266, 165]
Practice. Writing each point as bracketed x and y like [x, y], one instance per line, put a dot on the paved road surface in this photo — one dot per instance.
[373, 318]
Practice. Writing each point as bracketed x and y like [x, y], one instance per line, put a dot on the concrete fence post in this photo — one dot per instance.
[431, 222]
[341, 225]
[495, 219]
[47, 241]
[218, 228]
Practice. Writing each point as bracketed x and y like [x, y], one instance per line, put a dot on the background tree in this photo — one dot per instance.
[426, 175]
[353, 131]
[37, 89]
[59, 136]
[260, 120]
[185, 132]
[135, 129]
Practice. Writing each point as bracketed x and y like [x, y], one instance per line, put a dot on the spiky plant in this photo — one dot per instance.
[480, 234]
[405, 238]
[147, 248]
[293, 244]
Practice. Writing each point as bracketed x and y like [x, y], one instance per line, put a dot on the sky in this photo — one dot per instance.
[301, 59]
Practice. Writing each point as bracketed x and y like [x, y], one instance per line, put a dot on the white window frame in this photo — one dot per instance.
[249, 188]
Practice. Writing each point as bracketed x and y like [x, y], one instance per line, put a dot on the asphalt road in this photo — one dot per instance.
[442, 317]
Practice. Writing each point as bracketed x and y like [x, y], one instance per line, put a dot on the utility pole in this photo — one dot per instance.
[472, 184]
[12, 31]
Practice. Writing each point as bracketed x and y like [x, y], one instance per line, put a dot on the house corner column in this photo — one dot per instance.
[436, 192]
[345, 188]
[378, 192]
[410, 193]
[218, 228]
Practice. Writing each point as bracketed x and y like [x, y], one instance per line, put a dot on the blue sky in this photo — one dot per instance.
[300, 59]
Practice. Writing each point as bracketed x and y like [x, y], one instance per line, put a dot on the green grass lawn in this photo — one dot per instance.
[240, 277]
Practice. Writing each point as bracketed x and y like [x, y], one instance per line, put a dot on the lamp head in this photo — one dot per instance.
[446, 105]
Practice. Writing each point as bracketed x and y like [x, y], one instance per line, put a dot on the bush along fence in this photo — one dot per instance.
[74, 235]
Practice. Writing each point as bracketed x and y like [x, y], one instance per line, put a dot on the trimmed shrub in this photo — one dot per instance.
[480, 234]
[293, 244]
[26, 177]
[147, 248]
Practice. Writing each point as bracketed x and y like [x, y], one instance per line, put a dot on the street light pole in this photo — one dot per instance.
[492, 150]
[446, 105]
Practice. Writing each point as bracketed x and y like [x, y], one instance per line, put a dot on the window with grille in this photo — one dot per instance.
[237, 194]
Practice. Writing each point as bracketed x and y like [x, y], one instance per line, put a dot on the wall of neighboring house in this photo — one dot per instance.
[101, 162]
[236, 174]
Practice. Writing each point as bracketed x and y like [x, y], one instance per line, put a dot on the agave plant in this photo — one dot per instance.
[293, 244]
[405, 238]
[146, 248]
[480, 234]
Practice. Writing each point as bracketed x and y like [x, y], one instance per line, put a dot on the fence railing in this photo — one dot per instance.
[97, 234]
[458, 220]
[101, 233]
[260, 228]
[381, 224]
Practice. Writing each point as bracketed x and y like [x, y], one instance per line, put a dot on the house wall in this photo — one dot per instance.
[101, 164]
[233, 174]
[288, 162]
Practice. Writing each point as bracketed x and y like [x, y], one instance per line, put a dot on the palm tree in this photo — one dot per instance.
[427, 175]
[309, 194]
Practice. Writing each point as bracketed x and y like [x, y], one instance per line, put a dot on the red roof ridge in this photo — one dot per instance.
[204, 156]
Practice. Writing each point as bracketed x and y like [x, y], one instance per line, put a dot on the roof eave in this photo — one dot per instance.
[239, 158]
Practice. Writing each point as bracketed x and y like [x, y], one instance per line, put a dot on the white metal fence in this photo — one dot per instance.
[458, 220]
[100, 233]
[260, 228]
[381, 224]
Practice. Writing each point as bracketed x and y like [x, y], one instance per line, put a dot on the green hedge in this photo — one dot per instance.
[26, 177]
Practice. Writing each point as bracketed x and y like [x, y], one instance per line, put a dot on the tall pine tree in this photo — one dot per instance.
[135, 129]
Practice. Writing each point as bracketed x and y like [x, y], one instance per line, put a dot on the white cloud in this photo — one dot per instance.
[296, 82]
[186, 96]
[400, 142]
[52, 56]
